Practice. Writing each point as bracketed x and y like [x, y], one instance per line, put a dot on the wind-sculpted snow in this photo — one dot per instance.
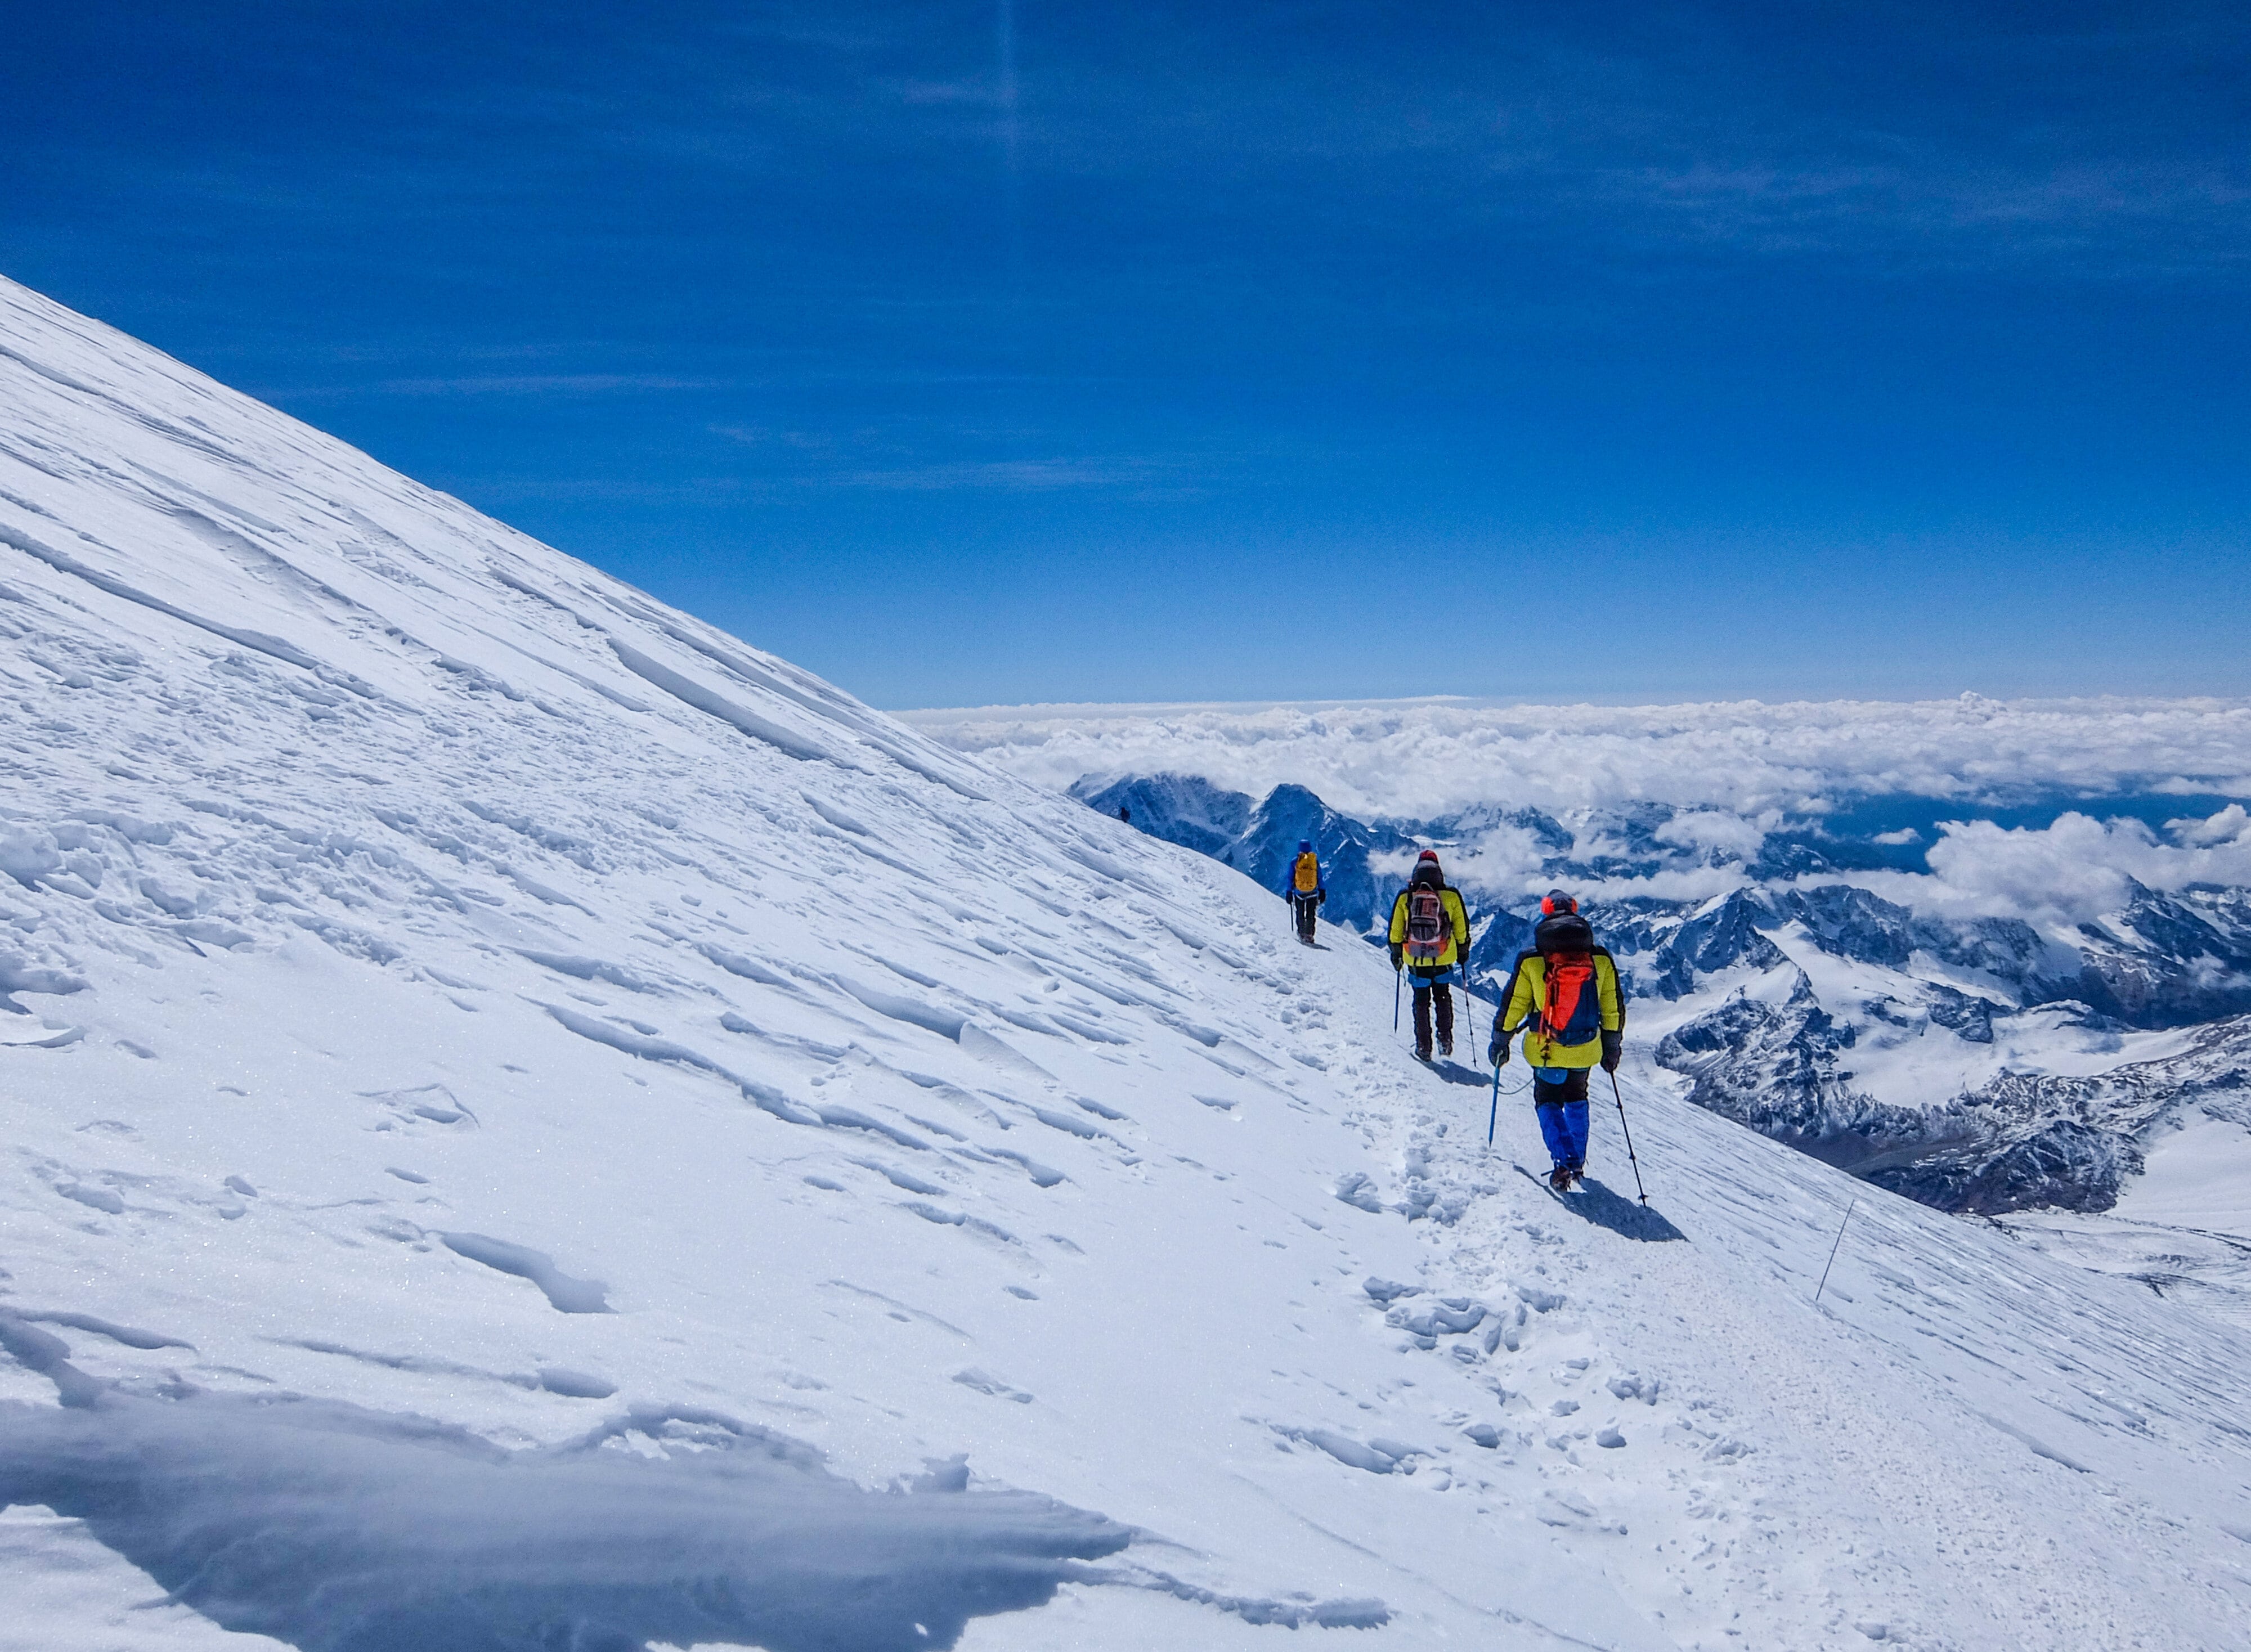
[495, 1151]
[564, 1294]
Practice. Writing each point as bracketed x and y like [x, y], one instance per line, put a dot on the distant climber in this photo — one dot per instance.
[1304, 889]
[1125, 814]
[1567, 989]
[1430, 941]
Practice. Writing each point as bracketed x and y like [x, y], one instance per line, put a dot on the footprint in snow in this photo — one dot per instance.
[424, 1104]
[985, 1383]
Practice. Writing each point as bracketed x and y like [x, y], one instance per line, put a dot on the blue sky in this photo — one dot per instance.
[978, 353]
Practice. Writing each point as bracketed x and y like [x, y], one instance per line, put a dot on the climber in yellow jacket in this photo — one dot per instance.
[1565, 992]
[1430, 941]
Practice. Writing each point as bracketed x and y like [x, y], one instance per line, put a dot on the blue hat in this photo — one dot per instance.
[1305, 845]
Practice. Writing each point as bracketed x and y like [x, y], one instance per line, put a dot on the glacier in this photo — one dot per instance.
[531, 1121]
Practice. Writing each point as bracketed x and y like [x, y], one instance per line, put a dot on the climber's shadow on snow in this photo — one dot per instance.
[1454, 1073]
[1604, 1209]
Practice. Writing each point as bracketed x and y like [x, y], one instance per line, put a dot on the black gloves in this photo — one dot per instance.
[1613, 1049]
[1496, 1051]
[1397, 953]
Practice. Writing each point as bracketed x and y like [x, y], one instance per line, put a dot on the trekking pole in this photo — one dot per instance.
[1630, 1158]
[1494, 1117]
[1395, 1000]
[1832, 1262]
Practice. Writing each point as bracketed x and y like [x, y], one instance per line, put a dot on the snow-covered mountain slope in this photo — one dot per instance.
[529, 1121]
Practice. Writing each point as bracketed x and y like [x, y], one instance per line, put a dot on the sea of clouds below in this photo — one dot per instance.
[1738, 768]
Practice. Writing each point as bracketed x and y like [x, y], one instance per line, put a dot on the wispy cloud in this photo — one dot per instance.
[479, 384]
[2070, 217]
[889, 460]
[1020, 476]
[545, 385]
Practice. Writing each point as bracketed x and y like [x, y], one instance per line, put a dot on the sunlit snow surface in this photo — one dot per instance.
[531, 1119]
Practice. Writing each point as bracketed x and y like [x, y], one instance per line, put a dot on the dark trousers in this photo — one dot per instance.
[1305, 906]
[1573, 1089]
[1423, 993]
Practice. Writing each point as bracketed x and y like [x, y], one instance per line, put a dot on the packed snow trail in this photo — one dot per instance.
[517, 1103]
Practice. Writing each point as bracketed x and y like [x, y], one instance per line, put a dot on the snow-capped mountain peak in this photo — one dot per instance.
[533, 1122]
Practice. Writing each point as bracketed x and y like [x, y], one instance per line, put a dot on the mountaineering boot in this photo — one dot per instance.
[1559, 1179]
[1446, 1044]
[1423, 1053]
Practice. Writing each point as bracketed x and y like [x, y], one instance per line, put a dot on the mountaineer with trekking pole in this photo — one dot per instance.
[1565, 993]
[1304, 889]
[1431, 942]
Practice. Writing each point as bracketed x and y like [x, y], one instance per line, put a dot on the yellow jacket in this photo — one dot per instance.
[1458, 927]
[1528, 994]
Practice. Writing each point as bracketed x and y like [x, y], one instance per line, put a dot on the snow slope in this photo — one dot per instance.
[529, 1121]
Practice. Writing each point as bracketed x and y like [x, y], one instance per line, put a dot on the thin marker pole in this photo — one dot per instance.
[1839, 1240]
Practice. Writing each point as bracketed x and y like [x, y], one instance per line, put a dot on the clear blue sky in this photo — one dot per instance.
[973, 353]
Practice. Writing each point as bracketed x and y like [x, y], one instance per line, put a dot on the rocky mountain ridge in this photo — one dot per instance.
[1980, 1063]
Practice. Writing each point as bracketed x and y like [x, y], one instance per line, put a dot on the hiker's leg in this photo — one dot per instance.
[1552, 1132]
[1421, 1018]
[1575, 1113]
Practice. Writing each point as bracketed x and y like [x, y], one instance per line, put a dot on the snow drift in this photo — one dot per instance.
[531, 1121]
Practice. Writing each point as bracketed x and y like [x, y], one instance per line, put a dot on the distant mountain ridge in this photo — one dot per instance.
[1722, 982]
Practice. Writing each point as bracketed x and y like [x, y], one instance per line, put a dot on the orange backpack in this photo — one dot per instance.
[1564, 1017]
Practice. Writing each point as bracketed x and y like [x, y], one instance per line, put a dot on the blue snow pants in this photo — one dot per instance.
[1563, 1114]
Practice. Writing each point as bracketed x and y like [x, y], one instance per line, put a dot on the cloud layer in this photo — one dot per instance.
[2071, 872]
[1422, 758]
[1734, 769]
